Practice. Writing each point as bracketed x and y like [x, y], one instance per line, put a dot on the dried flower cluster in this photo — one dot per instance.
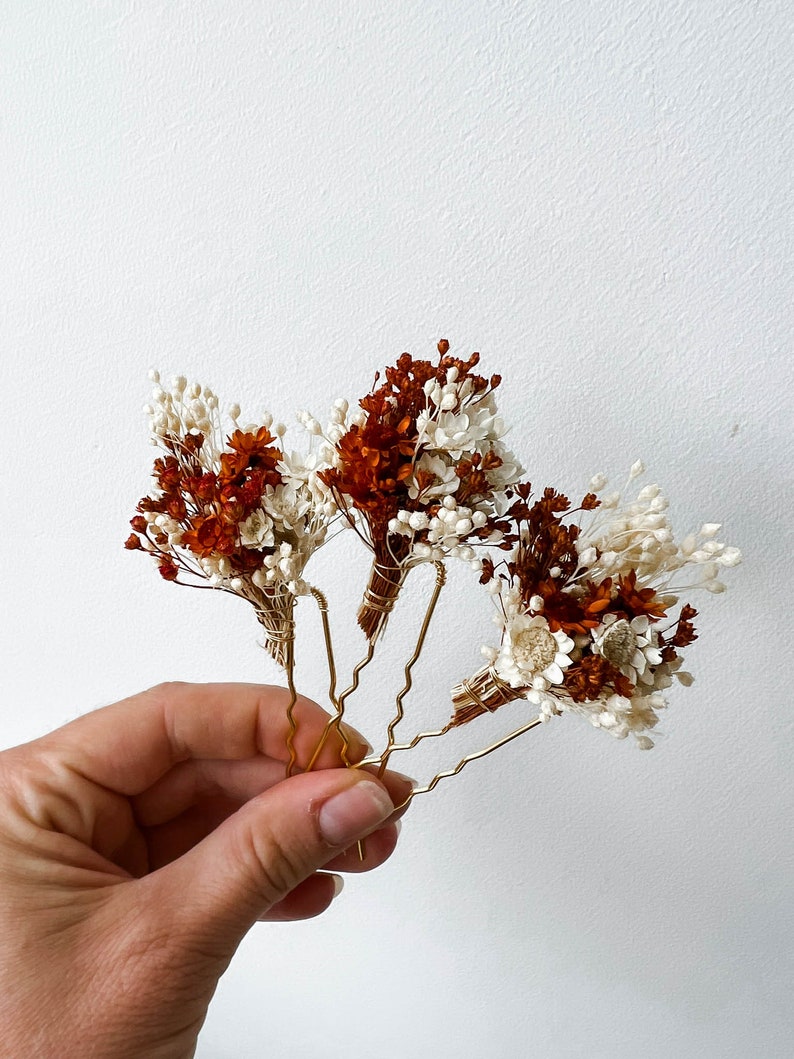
[589, 613]
[588, 599]
[234, 511]
[421, 471]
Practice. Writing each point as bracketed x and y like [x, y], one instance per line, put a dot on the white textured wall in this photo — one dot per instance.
[278, 198]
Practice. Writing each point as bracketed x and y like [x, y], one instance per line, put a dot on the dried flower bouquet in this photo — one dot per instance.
[587, 599]
[420, 471]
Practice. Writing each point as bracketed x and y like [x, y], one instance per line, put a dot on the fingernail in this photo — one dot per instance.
[410, 780]
[401, 788]
[354, 813]
[339, 884]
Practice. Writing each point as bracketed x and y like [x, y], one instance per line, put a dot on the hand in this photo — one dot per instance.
[140, 843]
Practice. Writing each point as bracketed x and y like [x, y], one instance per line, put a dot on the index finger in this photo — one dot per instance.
[131, 744]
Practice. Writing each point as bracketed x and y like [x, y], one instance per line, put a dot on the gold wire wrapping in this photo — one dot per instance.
[383, 588]
[283, 635]
[484, 692]
[277, 619]
[468, 688]
[384, 604]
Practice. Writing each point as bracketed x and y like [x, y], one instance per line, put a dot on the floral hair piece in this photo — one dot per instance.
[589, 614]
[237, 513]
[587, 599]
[420, 472]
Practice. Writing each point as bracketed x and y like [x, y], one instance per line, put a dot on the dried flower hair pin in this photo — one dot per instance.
[587, 599]
[420, 472]
[589, 614]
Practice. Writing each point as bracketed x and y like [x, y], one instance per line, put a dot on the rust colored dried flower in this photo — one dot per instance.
[591, 676]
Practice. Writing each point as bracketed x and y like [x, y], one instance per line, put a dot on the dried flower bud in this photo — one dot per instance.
[730, 557]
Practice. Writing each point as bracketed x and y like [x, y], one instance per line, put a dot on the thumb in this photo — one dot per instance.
[216, 892]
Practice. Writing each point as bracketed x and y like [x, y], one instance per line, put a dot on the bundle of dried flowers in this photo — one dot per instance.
[588, 599]
[420, 471]
[230, 510]
[589, 614]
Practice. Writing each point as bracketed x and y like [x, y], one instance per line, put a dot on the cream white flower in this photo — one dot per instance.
[531, 654]
[288, 507]
[446, 480]
[302, 468]
[257, 530]
[457, 423]
[462, 432]
[621, 716]
[508, 472]
[629, 646]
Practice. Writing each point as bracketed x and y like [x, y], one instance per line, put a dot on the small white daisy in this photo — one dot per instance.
[629, 646]
[531, 654]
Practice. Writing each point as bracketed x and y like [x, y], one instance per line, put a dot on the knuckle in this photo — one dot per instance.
[166, 689]
[273, 867]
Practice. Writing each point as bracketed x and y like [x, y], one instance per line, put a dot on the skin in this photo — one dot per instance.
[140, 843]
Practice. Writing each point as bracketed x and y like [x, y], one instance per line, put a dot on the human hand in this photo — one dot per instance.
[139, 844]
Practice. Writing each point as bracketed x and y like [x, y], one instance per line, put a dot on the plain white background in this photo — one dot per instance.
[277, 199]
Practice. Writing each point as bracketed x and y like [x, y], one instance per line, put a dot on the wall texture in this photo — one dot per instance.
[277, 198]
